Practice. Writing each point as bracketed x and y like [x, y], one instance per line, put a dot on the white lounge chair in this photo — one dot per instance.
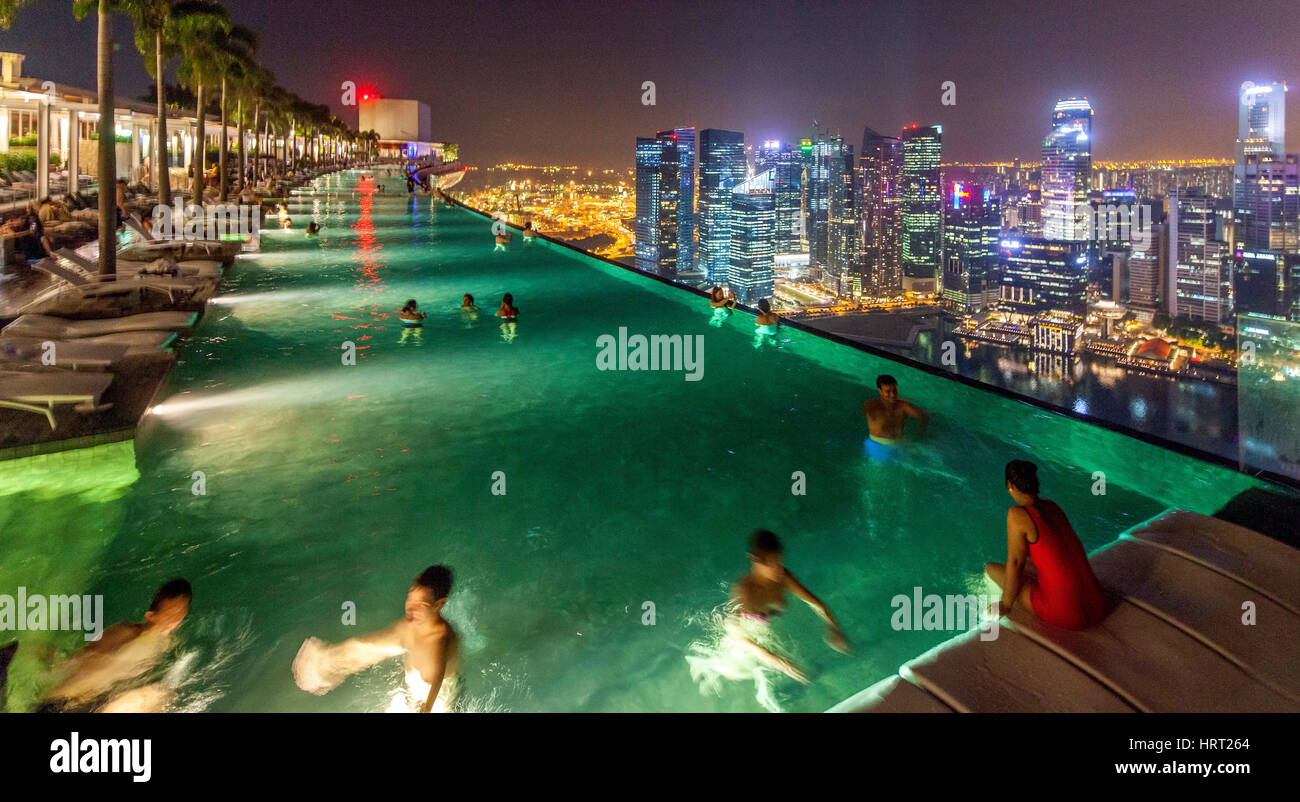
[42, 392]
[57, 328]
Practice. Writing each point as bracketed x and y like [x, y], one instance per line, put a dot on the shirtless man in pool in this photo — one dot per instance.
[428, 644]
[886, 417]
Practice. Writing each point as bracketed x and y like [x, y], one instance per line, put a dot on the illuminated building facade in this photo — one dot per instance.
[922, 208]
[1198, 260]
[971, 231]
[842, 217]
[1261, 129]
[657, 192]
[1067, 168]
[684, 139]
[753, 230]
[1042, 275]
[722, 168]
[880, 173]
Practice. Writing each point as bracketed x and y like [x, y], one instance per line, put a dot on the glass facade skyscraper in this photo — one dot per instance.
[1040, 275]
[753, 229]
[1261, 129]
[649, 151]
[684, 138]
[1067, 169]
[880, 173]
[658, 204]
[722, 168]
[787, 166]
[1198, 260]
[842, 217]
[922, 208]
[971, 229]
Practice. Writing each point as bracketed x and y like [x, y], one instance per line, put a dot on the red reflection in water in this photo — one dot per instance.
[369, 266]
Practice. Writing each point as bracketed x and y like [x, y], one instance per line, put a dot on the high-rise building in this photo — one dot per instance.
[842, 218]
[1198, 262]
[922, 209]
[1067, 169]
[658, 205]
[753, 234]
[880, 172]
[971, 229]
[1264, 283]
[1268, 204]
[722, 168]
[1261, 128]
[787, 163]
[1146, 276]
[1042, 275]
[826, 163]
[684, 139]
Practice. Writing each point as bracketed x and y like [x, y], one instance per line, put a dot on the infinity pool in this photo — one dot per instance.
[329, 483]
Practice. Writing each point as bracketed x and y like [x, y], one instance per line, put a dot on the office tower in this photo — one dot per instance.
[658, 205]
[649, 152]
[1146, 285]
[805, 203]
[971, 229]
[684, 139]
[1268, 204]
[1261, 129]
[722, 167]
[1042, 275]
[880, 171]
[1264, 283]
[1067, 169]
[787, 166]
[825, 152]
[753, 234]
[1198, 262]
[922, 209]
[842, 218]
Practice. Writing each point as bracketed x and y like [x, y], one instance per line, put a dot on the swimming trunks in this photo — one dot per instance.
[881, 449]
[1066, 593]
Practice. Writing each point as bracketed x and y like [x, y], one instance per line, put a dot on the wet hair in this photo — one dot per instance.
[885, 380]
[410, 305]
[764, 306]
[714, 292]
[1023, 476]
[467, 297]
[763, 544]
[508, 299]
[436, 579]
[175, 589]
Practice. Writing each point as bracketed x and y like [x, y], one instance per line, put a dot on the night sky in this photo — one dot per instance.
[560, 83]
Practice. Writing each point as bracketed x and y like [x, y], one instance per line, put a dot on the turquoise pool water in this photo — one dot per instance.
[329, 483]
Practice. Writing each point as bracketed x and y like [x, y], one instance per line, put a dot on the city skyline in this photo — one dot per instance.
[884, 66]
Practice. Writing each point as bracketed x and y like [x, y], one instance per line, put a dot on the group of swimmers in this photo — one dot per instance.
[506, 237]
[412, 317]
[766, 322]
[1046, 572]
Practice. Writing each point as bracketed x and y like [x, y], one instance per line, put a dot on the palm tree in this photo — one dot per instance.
[8, 8]
[157, 24]
[235, 48]
[107, 167]
[199, 40]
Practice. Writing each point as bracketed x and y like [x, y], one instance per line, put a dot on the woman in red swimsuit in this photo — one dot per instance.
[1064, 593]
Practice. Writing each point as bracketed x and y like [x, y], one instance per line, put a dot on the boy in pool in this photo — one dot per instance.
[759, 596]
[428, 644]
[93, 679]
[886, 417]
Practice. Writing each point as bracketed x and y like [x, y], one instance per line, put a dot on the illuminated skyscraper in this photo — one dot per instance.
[1198, 260]
[753, 229]
[1067, 169]
[722, 167]
[971, 228]
[1040, 275]
[880, 171]
[843, 241]
[824, 150]
[1261, 129]
[684, 138]
[787, 166]
[922, 208]
[658, 188]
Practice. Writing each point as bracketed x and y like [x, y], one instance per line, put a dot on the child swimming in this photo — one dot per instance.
[410, 315]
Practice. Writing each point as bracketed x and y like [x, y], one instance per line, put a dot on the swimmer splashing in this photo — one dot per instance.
[747, 645]
[427, 643]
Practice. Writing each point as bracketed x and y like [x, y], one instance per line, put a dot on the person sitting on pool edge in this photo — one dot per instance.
[427, 642]
[508, 309]
[94, 679]
[410, 314]
[886, 417]
[759, 595]
[1065, 593]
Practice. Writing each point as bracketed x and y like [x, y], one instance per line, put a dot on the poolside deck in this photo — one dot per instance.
[1202, 610]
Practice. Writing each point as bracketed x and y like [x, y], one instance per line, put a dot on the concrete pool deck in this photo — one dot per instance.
[1202, 611]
